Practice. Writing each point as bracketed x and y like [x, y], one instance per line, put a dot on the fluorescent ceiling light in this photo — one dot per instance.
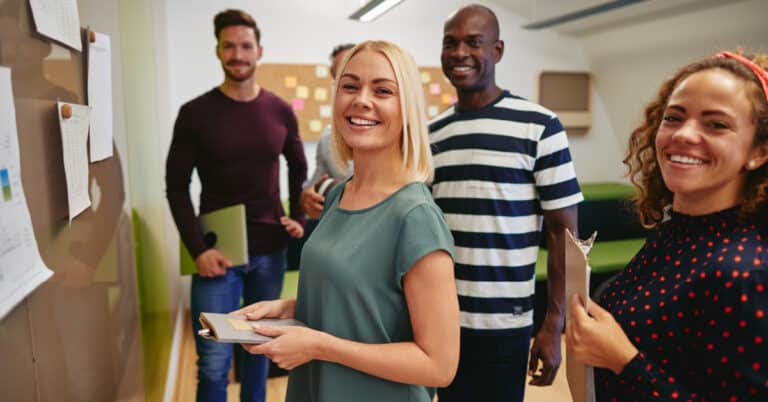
[373, 9]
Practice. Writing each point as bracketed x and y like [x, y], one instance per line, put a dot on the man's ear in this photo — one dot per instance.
[259, 52]
[758, 156]
[499, 47]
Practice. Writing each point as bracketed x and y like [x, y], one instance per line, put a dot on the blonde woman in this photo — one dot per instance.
[376, 286]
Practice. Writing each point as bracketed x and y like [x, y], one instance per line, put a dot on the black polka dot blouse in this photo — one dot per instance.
[694, 302]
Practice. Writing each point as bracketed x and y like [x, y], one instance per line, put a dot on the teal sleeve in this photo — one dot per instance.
[423, 231]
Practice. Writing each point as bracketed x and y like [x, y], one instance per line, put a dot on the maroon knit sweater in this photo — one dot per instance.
[235, 147]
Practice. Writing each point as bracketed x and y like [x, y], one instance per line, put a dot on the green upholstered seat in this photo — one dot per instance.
[605, 257]
[606, 191]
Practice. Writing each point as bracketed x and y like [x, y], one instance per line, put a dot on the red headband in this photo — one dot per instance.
[761, 74]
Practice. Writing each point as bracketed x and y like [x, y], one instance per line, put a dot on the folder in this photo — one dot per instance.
[230, 328]
[225, 230]
[580, 376]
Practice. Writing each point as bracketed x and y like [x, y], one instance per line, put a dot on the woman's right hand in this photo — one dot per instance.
[281, 308]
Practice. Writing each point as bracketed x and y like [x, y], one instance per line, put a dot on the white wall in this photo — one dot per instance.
[296, 31]
[630, 62]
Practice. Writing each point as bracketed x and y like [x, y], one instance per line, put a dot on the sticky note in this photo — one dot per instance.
[315, 125]
[446, 99]
[432, 111]
[321, 71]
[426, 77]
[297, 104]
[325, 111]
[321, 94]
[290, 81]
[434, 88]
[302, 92]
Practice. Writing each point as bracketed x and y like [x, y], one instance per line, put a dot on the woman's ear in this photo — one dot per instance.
[758, 157]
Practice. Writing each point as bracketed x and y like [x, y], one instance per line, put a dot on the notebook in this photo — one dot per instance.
[230, 328]
[225, 230]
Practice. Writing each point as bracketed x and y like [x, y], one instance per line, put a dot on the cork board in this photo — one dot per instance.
[307, 88]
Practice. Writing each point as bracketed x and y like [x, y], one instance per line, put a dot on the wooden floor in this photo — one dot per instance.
[187, 380]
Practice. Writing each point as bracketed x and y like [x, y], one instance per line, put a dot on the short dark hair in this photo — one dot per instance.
[233, 17]
[340, 48]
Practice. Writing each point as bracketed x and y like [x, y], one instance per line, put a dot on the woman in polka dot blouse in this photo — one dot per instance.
[687, 320]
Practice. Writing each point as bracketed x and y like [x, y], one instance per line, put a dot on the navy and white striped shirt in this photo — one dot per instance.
[496, 169]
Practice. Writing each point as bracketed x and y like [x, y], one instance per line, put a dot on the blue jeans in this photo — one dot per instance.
[261, 279]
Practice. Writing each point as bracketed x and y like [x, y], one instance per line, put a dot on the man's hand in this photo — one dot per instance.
[311, 201]
[546, 348]
[212, 263]
[293, 228]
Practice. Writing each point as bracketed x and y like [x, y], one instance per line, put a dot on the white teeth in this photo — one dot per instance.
[686, 160]
[461, 69]
[362, 122]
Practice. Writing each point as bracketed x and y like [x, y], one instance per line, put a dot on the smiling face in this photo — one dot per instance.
[704, 144]
[367, 107]
[239, 51]
[471, 49]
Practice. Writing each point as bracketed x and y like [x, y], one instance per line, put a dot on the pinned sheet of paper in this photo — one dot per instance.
[73, 121]
[100, 95]
[321, 71]
[302, 92]
[290, 81]
[58, 20]
[321, 94]
[22, 269]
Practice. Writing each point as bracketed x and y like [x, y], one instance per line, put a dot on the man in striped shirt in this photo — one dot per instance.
[502, 163]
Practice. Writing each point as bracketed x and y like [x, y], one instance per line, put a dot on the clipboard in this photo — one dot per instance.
[580, 377]
[230, 328]
[225, 230]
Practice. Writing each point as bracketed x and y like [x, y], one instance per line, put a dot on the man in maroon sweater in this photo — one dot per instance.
[233, 135]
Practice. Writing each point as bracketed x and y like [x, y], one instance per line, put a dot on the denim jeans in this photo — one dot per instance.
[261, 279]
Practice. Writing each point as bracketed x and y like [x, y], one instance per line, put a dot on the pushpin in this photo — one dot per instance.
[92, 36]
[66, 111]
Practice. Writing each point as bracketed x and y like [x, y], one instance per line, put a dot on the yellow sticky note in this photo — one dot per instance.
[240, 325]
[290, 81]
[325, 111]
[302, 92]
[321, 94]
[315, 125]
[426, 77]
[446, 99]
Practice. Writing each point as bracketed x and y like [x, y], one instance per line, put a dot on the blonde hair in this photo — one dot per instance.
[414, 145]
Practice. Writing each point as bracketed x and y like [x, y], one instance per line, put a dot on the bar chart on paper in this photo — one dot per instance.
[5, 184]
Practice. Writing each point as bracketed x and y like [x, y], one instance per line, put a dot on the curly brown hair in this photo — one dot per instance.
[643, 169]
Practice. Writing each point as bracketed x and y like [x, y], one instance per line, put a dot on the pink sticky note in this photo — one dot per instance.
[297, 104]
[434, 88]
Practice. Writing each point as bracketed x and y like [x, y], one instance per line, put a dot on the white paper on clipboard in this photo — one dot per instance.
[580, 376]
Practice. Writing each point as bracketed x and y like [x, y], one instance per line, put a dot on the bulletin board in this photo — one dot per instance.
[307, 88]
[76, 337]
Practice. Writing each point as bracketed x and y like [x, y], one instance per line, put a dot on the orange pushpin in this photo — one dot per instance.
[66, 111]
[92, 36]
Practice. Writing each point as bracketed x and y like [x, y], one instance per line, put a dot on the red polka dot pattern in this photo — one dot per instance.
[694, 302]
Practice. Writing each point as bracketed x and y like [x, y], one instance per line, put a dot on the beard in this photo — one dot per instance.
[238, 77]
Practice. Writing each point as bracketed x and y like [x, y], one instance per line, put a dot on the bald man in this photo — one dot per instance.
[502, 163]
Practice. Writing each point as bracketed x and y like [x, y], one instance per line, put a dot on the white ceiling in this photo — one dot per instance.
[540, 10]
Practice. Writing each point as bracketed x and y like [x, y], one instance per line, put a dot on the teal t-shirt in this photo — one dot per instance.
[350, 286]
